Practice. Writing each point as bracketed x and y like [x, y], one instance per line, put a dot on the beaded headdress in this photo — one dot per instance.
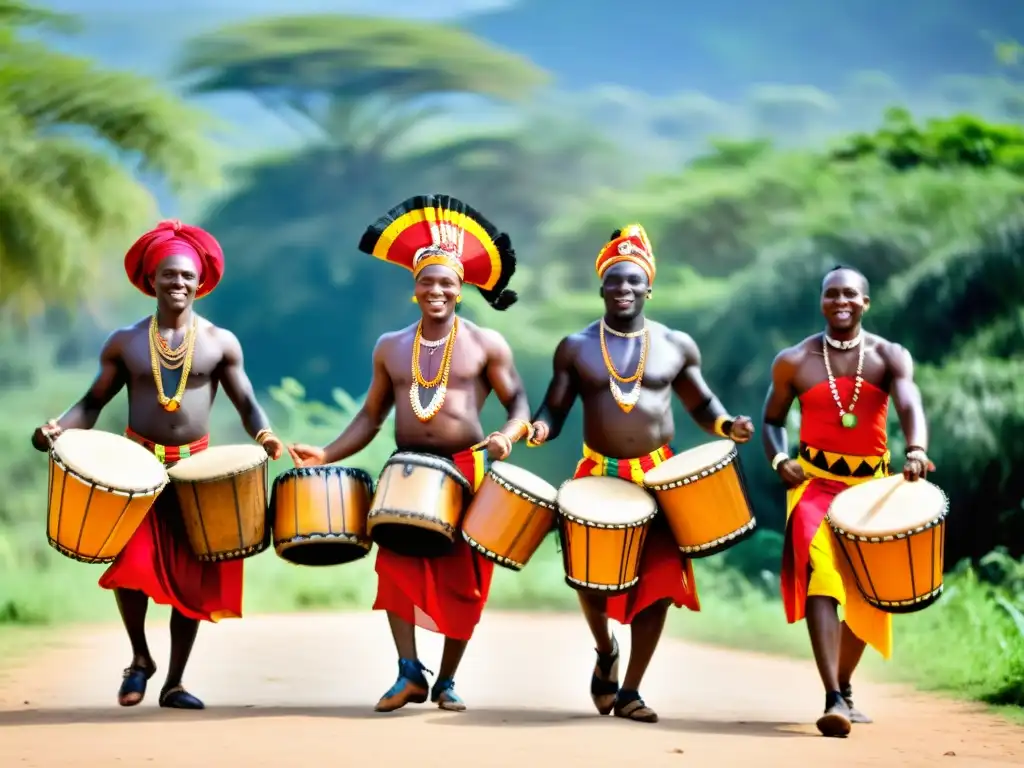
[627, 244]
[440, 230]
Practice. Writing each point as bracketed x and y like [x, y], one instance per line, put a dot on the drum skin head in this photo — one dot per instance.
[112, 461]
[218, 461]
[606, 501]
[526, 481]
[691, 462]
[888, 506]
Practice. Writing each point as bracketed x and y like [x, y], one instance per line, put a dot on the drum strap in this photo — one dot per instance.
[169, 454]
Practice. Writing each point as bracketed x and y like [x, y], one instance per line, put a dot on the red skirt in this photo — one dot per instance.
[158, 562]
[664, 573]
[443, 594]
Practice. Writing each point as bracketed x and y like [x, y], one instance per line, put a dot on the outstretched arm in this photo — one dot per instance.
[366, 425]
[83, 414]
[237, 386]
[698, 398]
[773, 420]
[561, 394]
[507, 385]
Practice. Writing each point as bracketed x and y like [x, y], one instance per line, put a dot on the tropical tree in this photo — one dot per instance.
[77, 144]
[388, 108]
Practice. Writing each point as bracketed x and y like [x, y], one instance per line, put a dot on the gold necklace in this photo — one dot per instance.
[440, 381]
[625, 402]
[170, 359]
[171, 404]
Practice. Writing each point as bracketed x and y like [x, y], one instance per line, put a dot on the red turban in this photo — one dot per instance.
[172, 238]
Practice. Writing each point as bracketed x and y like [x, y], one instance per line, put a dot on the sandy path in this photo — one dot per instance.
[298, 691]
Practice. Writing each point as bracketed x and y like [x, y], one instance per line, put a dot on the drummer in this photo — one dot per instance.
[437, 373]
[169, 414]
[625, 368]
[843, 379]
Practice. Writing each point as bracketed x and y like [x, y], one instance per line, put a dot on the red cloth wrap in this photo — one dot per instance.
[158, 562]
[443, 594]
[664, 573]
[172, 238]
[821, 428]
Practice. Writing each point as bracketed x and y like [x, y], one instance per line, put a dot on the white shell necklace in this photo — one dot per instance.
[846, 417]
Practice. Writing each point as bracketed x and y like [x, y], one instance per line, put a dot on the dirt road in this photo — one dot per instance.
[297, 691]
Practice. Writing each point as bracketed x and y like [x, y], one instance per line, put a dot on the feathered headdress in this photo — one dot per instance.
[438, 229]
[627, 244]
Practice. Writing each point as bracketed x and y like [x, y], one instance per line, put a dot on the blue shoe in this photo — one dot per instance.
[410, 687]
[443, 694]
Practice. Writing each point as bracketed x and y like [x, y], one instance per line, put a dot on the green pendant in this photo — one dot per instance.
[849, 420]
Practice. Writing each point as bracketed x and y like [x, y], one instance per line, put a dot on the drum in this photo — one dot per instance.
[603, 526]
[892, 534]
[223, 497]
[510, 515]
[704, 498]
[418, 505]
[101, 487]
[319, 515]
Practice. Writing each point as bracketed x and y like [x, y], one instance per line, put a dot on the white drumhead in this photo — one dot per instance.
[110, 460]
[219, 461]
[526, 481]
[605, 500]
[887, 506]
[689, 462]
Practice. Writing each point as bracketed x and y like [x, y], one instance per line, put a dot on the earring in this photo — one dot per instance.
[458, 299]
[414, 299]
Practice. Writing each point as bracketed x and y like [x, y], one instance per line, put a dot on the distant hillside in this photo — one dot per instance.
[720, 48]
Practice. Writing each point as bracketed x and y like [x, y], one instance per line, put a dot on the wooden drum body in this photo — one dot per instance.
[892, 534]
[510, 515]
[418, 505]
[101, 487]
[704, 498]
[319, 515]
[603, 525]
[223, 497]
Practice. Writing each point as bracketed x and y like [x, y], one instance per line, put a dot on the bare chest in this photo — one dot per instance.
[662, 362]
[467, 365]
[139, 362]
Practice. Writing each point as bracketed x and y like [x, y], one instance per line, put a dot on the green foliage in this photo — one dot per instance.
[964, 140]
[67, 132]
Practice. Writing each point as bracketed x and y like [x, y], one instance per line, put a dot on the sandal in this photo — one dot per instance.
[134, 685]
[176, 697]
[443, 694]
[409, 688]
[629, 705]
[604, 682]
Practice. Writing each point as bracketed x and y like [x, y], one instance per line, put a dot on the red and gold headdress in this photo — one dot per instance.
[627, 244]
[172, 238]
[438, 229]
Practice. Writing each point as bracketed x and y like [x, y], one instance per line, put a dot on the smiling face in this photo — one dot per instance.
[437, 288]
[175, 283]
[624, 290]
[844, 299]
